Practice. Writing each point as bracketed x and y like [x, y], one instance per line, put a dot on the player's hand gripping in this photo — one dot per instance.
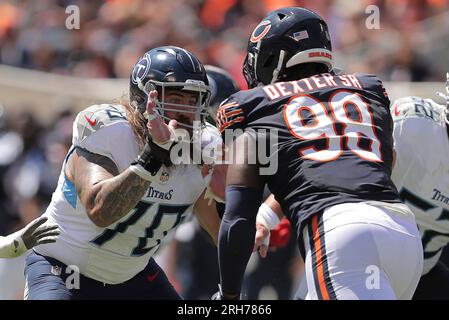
[270, 240]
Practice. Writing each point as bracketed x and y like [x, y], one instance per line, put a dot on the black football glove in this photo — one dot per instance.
[149, 162]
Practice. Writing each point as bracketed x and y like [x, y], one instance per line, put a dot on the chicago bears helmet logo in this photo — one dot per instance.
[141, 69]
[260, 31]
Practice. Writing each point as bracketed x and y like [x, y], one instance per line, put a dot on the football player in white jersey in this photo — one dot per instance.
[119, 193]
[421, 174]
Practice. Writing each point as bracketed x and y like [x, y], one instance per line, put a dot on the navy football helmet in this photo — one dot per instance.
[222, 85]
[165, 68]
[285, 38]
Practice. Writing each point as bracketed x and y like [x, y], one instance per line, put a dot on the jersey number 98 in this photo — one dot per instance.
[310, 120]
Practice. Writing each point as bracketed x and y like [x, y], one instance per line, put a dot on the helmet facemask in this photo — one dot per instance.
[248, 71]
[249, 66]
[199, 110]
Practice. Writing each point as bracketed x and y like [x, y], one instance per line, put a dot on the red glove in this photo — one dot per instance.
[280, 236]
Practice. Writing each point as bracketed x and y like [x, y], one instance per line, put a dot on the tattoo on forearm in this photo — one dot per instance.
[120, 195]
[113, 194]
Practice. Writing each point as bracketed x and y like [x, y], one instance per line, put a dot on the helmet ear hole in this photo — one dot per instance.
[151, 87]
[281, 15]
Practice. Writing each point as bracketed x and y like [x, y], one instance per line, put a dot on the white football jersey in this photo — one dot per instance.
[117, 253]
[421, 172]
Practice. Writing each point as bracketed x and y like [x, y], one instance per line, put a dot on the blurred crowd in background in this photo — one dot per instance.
[113, 34]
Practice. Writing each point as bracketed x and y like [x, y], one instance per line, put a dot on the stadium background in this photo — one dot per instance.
[48, 73]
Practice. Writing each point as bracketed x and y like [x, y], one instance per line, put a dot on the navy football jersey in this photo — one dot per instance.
[334, 139]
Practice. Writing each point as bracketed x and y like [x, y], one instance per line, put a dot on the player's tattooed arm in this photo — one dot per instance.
[106, 195]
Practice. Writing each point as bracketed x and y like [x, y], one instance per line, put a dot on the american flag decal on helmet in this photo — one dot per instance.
[301, 35]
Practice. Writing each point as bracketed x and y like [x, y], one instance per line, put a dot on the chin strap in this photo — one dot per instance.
[279, 67]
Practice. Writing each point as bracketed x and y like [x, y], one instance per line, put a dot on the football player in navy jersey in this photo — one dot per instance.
[334, 156]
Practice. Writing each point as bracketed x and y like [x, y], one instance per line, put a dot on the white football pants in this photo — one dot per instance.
[369, 250]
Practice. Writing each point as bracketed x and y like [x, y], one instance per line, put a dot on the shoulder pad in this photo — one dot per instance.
[95, 117]
[416, 107]
[372, 83]
[229, 114]
[239, 108]
[104, 130]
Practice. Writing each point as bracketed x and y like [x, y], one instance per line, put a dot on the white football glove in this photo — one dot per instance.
[34, 234]
[266, 220]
